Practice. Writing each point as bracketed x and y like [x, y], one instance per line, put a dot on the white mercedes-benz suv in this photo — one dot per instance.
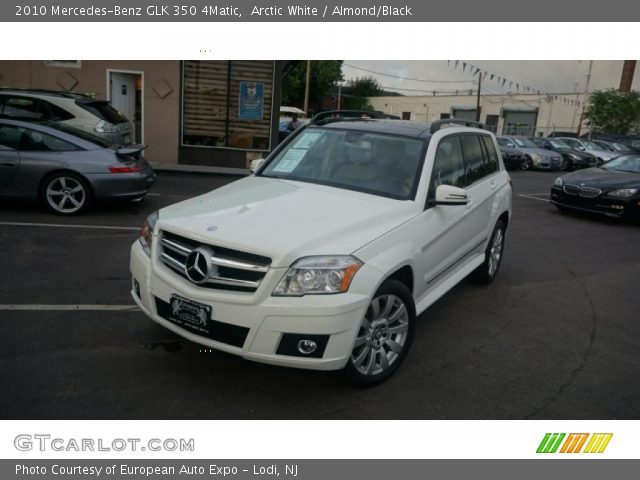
[323, 258]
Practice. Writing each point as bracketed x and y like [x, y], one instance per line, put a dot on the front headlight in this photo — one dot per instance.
[558, 182]
[318, 275]
[146, 233]
[623, 192]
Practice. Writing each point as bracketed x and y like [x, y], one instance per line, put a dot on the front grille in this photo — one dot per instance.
[586, 192]
[230, 269]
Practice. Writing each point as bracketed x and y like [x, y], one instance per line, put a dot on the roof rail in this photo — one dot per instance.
[336, 115]
[438, 124]
[45, 91]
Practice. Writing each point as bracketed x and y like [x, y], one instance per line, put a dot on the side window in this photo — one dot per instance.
[22, 107]
[473, 158]
[448, 166]
[572, 143]
[492, 164]
[58, 114]
[10, 136]
[34, 141]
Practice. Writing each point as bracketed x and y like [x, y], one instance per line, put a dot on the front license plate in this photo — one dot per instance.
[190, 315]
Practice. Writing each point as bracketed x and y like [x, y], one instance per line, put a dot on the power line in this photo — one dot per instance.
[407, 78]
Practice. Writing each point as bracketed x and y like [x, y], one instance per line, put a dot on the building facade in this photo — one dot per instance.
[219, 113]
[508, 114]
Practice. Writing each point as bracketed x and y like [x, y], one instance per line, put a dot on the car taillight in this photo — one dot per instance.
[129, 167]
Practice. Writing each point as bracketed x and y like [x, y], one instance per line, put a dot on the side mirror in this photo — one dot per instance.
[255, 164]
[4, 148]
[581, 148]
[448, 195]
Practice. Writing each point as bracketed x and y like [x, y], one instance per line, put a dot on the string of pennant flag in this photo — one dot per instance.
[502, 81]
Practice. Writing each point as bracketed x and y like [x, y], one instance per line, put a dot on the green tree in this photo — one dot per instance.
[611, 111]
[356, 91]
[325, 74]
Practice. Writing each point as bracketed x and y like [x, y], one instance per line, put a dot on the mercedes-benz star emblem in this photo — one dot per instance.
[198, 264]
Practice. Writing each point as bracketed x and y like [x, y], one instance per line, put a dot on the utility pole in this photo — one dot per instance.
[626, 80]
[306, 88]
[584, 99]
[478, 98]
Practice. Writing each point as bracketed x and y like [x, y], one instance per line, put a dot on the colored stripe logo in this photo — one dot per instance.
[574, 443]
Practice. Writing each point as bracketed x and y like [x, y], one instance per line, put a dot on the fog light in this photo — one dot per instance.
[307, 347]
[136, 287]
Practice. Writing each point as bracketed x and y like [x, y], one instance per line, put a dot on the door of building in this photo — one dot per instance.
[125, 95]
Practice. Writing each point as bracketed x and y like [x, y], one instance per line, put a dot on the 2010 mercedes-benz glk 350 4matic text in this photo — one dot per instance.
[323, 258]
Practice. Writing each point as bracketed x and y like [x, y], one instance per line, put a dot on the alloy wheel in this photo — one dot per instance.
[65, 194]
[382, 336]
[495, 252]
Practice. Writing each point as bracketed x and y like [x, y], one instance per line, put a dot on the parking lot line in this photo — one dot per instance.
[61, 225]
[534, 196]
[41, 308]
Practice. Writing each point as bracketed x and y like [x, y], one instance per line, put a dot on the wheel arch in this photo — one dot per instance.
[56, 171]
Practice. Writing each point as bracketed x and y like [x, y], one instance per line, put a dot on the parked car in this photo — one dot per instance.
[93, 116]
[67, 169]
[513, 158]
[613, 146]
[613, 189]
[588, 146]
[535, 157]
[571, 159]
[324, 257]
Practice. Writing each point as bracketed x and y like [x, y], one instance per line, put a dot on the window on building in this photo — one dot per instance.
[445, 116]
[227, 104]
[63, 63]
[406, 115]
[491, 123]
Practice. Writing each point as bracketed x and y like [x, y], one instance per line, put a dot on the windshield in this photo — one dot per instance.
[624, 163]
[87, 137]
[385, 165]
[559, 144]
[620, 147]
[524, 143]
[591, 145]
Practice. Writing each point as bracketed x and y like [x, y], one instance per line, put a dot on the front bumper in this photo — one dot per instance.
[256, 325]
[611, 207]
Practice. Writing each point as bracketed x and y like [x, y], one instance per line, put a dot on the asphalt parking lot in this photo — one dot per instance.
[556, 336]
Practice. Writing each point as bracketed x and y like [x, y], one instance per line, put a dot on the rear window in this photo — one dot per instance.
[103, 111]
[87, 137]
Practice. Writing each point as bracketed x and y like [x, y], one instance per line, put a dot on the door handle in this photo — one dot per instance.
[9, 164]
[493, 184]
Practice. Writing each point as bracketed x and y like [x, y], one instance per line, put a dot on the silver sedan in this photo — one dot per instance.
[68, 169]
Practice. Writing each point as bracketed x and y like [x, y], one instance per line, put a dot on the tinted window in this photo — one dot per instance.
[473, 158]
[79, 133]
[10, 136]
[572, 143]
[23, 107]
[56, 113]
[448, 166]
[34, 141]
[491, 161]
[104, 111]
[505, 142]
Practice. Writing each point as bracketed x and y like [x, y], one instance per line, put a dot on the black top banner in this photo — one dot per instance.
[322, 11]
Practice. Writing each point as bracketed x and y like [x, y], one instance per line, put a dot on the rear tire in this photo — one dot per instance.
[384, 336]
[66, 193]
[486, 273]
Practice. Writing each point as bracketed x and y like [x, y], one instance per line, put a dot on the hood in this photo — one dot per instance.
[285, 220]
[606, 156]
[540, 151]
[603, 179]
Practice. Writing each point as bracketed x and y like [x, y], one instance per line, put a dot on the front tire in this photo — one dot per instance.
[66, 193]
[384, 337]
[527, 164]
[486, 273]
